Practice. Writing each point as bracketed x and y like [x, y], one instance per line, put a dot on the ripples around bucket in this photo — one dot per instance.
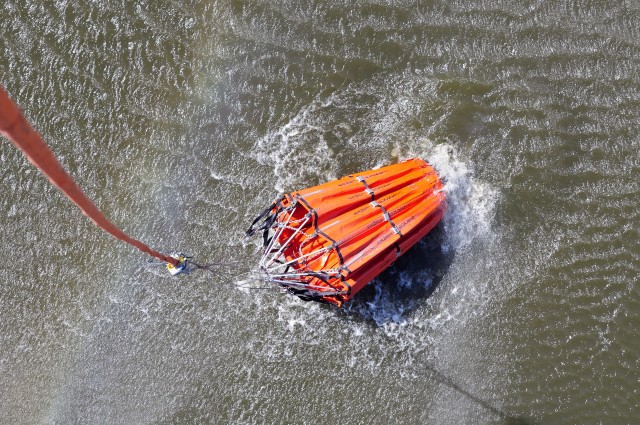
[183, 119]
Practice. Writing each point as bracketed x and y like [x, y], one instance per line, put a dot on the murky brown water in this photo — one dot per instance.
[182, 119]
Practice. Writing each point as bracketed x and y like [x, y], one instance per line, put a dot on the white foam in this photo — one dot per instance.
[297, 152]
[471, 202]
[300, 156]
[471, 209]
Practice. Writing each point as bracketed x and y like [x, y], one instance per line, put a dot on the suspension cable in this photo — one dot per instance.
[14, 126]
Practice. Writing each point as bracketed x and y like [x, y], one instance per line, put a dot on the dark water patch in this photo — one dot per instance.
[399, 290]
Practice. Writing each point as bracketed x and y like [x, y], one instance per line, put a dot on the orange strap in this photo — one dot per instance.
[15, 127]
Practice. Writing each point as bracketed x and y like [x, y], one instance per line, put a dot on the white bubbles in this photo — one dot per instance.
[300, 156]
[297, 152]
[471, 202]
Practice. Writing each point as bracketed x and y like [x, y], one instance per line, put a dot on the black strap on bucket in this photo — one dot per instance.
[269, 219]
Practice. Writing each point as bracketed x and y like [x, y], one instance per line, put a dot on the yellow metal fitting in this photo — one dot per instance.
[174, 270]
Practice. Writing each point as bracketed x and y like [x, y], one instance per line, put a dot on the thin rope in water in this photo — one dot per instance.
[230, 278]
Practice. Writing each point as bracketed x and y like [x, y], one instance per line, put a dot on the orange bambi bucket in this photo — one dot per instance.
[325, 243]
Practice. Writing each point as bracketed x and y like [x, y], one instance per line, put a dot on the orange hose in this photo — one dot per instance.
[15, 127]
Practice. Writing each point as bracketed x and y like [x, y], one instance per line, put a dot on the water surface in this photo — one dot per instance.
[183, 119]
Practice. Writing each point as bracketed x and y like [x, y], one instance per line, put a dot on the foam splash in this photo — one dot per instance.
[357, 125]
[471, 202]
[301, 154]
[298, 152]
[467, 222]
[471, 205]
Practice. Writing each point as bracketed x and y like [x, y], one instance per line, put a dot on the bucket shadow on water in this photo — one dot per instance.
[399, 290]
[504, 417]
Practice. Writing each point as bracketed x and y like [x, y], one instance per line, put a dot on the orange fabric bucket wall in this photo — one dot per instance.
[325, 243]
